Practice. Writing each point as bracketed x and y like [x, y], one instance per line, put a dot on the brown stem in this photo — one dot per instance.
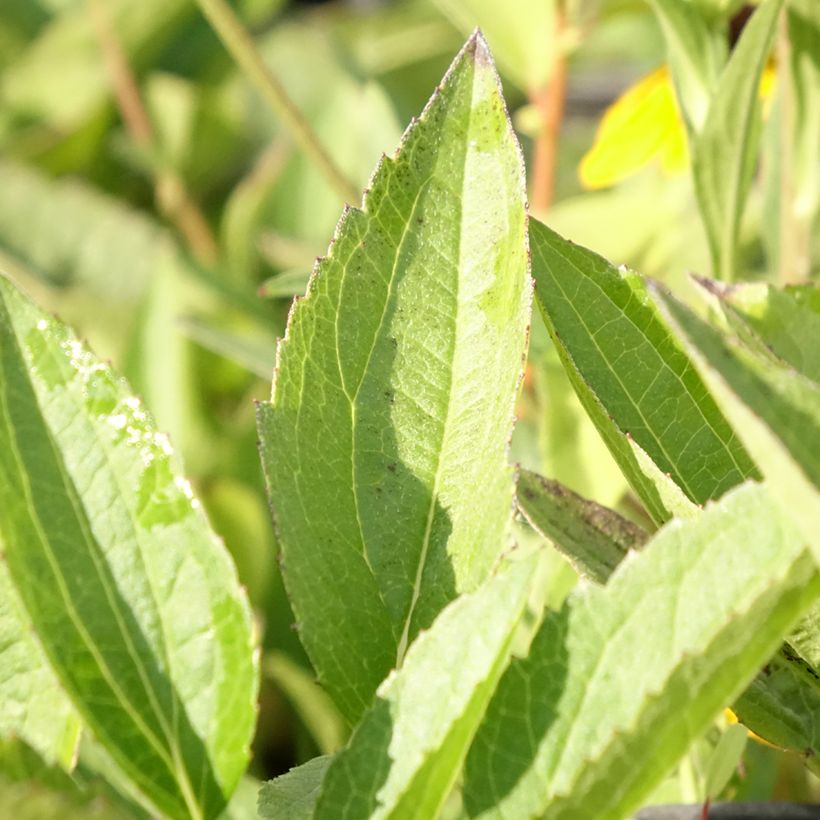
[550, 103]
[172, 196]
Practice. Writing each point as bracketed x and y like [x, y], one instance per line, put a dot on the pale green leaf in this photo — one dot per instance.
[31, 789]
[695, 52]
[785, 324]
[594, 539]
[135, 603]
[287, 283]
[726, 148]
[631, 374]
[70, 233]
[620, 681]
[774, 409]
[804, 46]
[33, 706]
[724, 760]
[385, 442]
[313, 705]
[672, 497]
[294, 795]
[408, 750]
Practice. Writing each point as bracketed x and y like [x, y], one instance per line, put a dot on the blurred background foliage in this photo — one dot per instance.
[149, 196]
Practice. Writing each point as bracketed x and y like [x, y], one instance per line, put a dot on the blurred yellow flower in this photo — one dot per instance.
[643, 125]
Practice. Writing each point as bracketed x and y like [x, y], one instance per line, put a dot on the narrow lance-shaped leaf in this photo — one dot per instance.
[135, 604]
[618, 684]
[631, 374]
[385, 442]
[408, 750]
[775, 410]
[694, 52]
[33, 706]
[789, 326]
[726, 148]
[594, 538]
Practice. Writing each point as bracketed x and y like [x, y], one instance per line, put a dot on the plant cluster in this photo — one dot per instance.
[463, 671]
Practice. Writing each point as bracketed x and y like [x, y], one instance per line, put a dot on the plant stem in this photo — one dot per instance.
[242, 48]
[550, 103]
[172, 196]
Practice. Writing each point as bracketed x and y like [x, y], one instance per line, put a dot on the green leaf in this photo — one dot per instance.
[775, 410]
[385, 442]
[595, 539]
[631, 374]
[287, 283]
[672, 497]
[407, 752]
[725, 150]
[782, 705]
[724, 760]
[135, 603]
[33, 706]
[804, 42]
[294, 795]
[789, 327]
[695, 52]
[312, 704]
[620, 681]
[30, 789]
[68, 232]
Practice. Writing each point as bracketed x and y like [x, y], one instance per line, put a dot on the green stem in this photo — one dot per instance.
[242, 48]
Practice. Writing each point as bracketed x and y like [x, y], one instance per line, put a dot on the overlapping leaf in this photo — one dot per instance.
[594, 538]
[135, 604]
[294, 795]
[407, 752]
[34, 707]
[619, 682]
[384, 444]
[631, 374]
[775, 410]
[694, 53]
[787, 324]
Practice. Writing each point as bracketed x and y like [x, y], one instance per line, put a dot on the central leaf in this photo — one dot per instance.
[385, 442]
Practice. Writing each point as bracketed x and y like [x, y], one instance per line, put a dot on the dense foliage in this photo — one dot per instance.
[545, 528]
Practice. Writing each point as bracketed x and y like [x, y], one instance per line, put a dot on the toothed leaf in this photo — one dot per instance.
[385, 441]
[408, 750]
[135, 604]
[621, 680]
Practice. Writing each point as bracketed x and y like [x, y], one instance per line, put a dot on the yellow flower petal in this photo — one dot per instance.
[643, 123]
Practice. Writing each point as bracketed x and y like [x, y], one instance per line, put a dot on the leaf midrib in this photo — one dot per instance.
[431, 510]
